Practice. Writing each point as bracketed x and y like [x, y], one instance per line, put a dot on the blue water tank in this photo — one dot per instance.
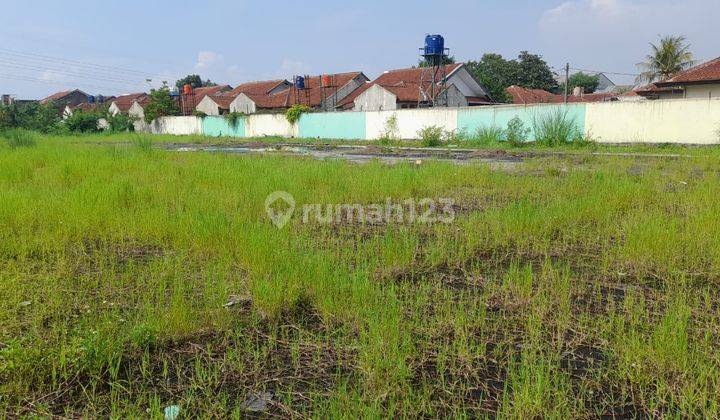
[434, 45]
[299, 82]
[100, 99]
[91, 99]
[174, 93]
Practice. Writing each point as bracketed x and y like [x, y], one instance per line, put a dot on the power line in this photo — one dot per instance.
[70, 61]
[109, 79]
[53, 83]
[607, 72]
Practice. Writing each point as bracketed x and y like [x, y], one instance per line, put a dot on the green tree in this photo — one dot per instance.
[534, 73]
[160, 104]
[84, 121]
[193, 80]
[588, 82]
[495, 73]
[665, 60]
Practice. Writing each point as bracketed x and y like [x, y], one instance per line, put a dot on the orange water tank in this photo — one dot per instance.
[326, 80]
[187, 89]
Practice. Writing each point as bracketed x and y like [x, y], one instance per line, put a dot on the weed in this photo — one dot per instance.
[143, 142]
[488, 135]
[431, 136]
[234, 118]
[555, 128]
[390, 130]
[516, 134]
[17, 137]
[294, 113]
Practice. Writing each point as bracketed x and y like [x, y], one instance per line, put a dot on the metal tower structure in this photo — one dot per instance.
[432, 77]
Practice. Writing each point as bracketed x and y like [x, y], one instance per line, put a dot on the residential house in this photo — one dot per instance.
[404, 88]
[320, 92]
[122, 104]
[67, 97]
[188, 103]
[699, 82]
[221, 103]
[524, 96]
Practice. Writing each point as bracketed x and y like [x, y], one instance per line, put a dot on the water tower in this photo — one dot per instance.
[301, 90]
[434, 72]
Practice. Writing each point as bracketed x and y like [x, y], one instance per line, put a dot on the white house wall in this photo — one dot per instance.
[208, 106]
[710, 91]
[376, 98]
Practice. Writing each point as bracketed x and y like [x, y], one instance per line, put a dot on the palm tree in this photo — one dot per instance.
[666, 60]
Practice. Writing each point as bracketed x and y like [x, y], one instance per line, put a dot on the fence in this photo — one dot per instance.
[689, 121]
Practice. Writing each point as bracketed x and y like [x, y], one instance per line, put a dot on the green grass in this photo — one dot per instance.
[566, 287]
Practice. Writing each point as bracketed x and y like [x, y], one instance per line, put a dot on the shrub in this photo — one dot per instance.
[83, 122]
[455, 136]
[198, 113]
[489, 135]
[390, 130]
[555, 128]
[233, 118]
[516, 133]
[121, 122]
[431, 136]
[161, 104]
[17, 137]
[294, 112]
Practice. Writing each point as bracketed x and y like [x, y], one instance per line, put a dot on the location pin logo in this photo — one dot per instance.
[279, 207]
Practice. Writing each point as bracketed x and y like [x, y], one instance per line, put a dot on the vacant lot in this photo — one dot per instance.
[134, 279]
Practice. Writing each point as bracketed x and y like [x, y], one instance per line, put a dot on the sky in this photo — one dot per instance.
[112, 47]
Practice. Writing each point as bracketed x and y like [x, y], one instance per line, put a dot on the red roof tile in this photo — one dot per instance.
[526, 96]
[59, 95]
[706, 72]
[312, 95]
[124, 102]
[403, 83]
[257, 88]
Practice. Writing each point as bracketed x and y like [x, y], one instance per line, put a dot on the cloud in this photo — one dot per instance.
[589, 10]
[209, 59]
[290, 67]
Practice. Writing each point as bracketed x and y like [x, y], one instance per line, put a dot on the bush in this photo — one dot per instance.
[294, 112]
[516, 133]
[233, 118]
[431, 136]
[198, 113]
[120, 123]
[83, 122]
[489, 135]
[17, 137]
[455, 136]
[161, 104]
[555, 128]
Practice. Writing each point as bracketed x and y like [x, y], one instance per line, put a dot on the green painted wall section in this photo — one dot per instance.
[333, 125]
[220, 127]
[470, 119]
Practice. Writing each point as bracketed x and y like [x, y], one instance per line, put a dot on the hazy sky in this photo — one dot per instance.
[111, 46]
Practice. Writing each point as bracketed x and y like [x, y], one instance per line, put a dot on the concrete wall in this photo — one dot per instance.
[410, 121]
[703, 91]
[333, 125]
[691, 121]
[178, 126]
[471, 119]
[267, 125]
[221, 127]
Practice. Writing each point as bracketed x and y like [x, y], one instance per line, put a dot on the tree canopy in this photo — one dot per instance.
[193, 80]
[161, 104]
[665, 60]
[497, 74]
[588, 82]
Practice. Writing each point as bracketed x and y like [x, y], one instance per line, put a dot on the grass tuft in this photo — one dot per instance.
[19, 137]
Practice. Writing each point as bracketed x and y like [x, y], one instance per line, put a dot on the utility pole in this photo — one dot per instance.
[567, 81]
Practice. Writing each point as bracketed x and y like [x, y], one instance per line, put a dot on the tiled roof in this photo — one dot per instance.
[257, 88]
[202, 92]
[223, 100]
[124, 102]
[526, 96]
[403, 83]
[59, 95]
[706, 72]
[312, 95]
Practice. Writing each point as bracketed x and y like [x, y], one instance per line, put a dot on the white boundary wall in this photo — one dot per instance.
[262, 125]
[410, 121]
[178, 126]
[688, 121]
